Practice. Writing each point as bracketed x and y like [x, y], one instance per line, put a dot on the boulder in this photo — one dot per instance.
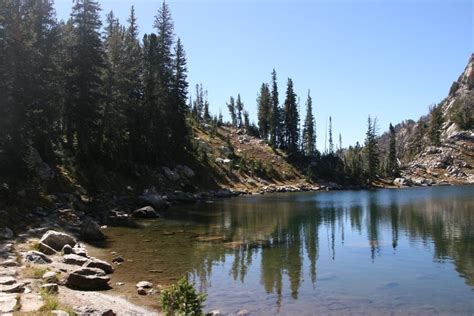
[97, 263]
[400, 182]
[145, 212]
[75, 259]
[51, 288]
[80, 251]
[6, 233]
[118, 259]
[88, 310]
[141, 291]
[7, 280]
[170, 175]
[90, 231]
[67, 250]
[153, 199]
[13, 288]
[59, 313]
[47, 249]
[88, 279]
[144, 284]
[186, 171]
[57, 240]
[8, 303]
[37, 257]
[50, 277]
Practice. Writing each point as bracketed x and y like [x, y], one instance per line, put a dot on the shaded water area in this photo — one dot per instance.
[407, 251]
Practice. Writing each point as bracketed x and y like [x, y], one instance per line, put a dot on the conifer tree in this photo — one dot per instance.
[87, 65]
[435, 124]
[331, 143]
[233, 115]
[392, 164]
[133, 86]
[309, 134]
[372, 150]
[291, 120]
[264, 110]
[239, 106]
[179, 96]
[275, 116]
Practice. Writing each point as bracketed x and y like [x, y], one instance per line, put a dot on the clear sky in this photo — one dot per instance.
[390, 59]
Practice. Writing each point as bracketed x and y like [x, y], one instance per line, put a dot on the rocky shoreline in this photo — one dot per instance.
[54, 274]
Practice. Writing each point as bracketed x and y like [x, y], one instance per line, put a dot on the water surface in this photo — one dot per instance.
[408, 251]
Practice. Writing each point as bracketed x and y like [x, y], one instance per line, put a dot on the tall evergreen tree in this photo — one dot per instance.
[275, 116]
[133, 89]
[392, 165]
[179, 96]
[331, 143]
[264, 110]
[291, 120]
[239, 106]
[232, 113]
[309, 133]
[87, 65]
[372, 150]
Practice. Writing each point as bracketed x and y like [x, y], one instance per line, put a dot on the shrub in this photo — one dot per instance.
[182, 299]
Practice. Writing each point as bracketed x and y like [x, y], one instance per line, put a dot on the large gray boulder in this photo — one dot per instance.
[75, 259]
[57, 240]
[90, 231]
[88, 279]
[100, 264]
[145, 212]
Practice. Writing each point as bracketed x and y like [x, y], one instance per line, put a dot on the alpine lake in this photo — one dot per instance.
[386, 251]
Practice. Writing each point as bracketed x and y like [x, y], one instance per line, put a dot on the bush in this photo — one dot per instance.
[182, 299]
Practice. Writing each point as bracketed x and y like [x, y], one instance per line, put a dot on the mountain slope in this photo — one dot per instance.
[452, 160]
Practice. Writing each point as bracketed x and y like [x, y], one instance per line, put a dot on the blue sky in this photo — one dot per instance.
[387, 58]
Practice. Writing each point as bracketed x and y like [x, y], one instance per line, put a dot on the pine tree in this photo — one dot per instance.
[331, 143]
[233, 115]
[114, 123]
[239, 106]
[206, 112]
[291, 120]
[264, 110]
[246, 121]
[435, 123]
[372, 151]
[87, 64]
[275, 116]
[133, 89]
[392, 164]
[309, 133]
[179, 96]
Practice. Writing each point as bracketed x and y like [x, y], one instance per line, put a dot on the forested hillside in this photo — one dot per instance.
[89, 107]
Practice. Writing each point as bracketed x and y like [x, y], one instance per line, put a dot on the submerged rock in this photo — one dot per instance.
[6, 233]
[145, 212]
